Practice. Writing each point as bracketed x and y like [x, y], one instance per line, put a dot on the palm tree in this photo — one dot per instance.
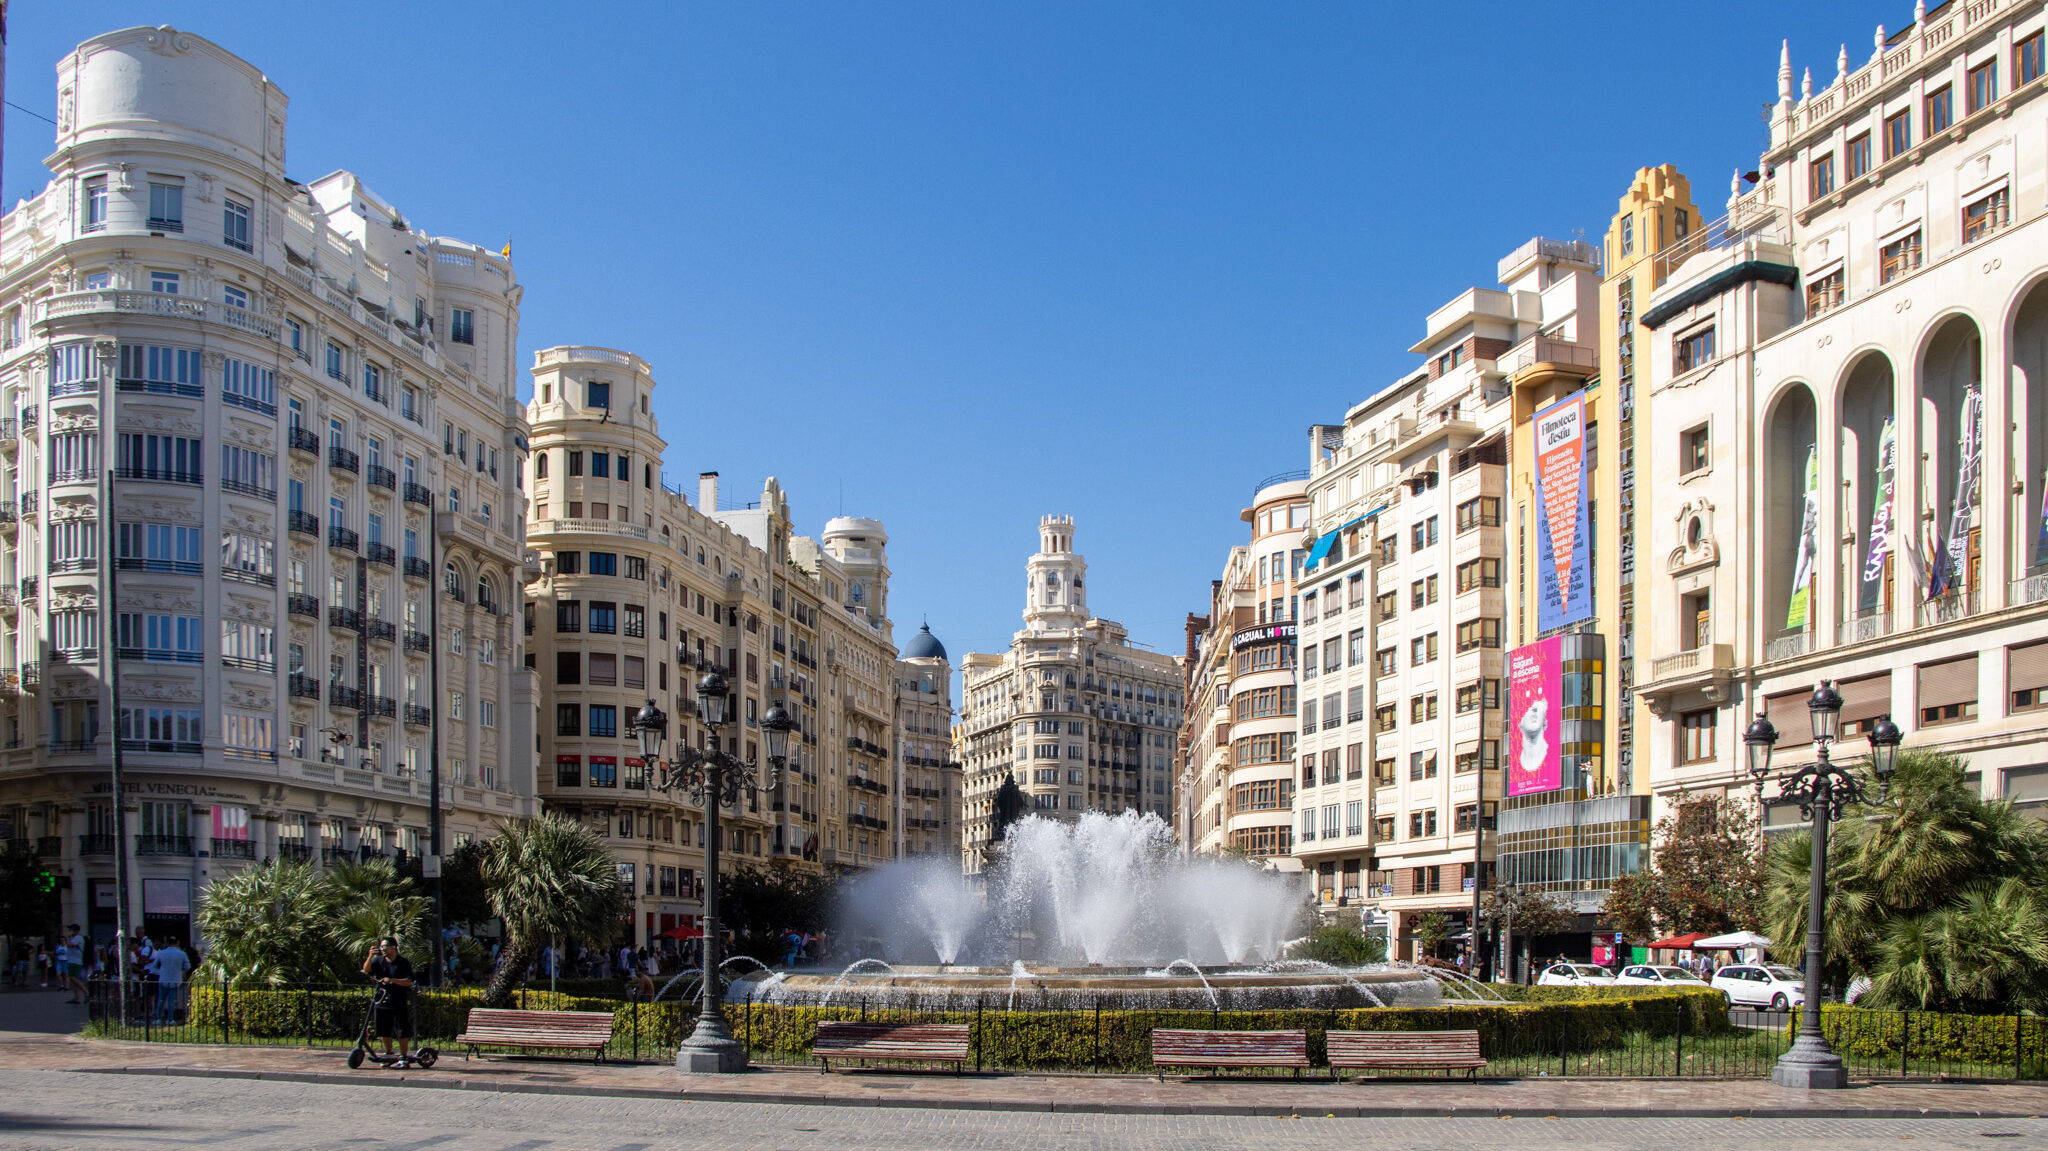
[376, 901]
[283, 922]
[547, 878]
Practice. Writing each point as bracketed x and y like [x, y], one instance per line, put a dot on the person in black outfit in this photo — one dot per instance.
[391, 1010]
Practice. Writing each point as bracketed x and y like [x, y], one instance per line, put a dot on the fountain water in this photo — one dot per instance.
[1103, 910]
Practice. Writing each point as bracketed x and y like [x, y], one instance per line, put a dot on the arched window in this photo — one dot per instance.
[540, 465]
[451, 579]
[486, 591]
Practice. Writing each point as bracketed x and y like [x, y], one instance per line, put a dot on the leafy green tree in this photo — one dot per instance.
[1526, 913]
[549, 879]
[465, 902]
[762, 905]
[1340, 947]
[1430, 930]
[282, 922]
[1705, 875]
[1933, 893]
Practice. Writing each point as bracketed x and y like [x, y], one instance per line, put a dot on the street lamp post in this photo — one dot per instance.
[1822, 792]
[714, 777]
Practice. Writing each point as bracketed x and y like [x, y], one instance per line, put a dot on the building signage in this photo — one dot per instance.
[166, 897]
[1809, 545]
[1263, 633]
[1881, 517]
[1952, 560]
[1564, 593]
[1535, 709]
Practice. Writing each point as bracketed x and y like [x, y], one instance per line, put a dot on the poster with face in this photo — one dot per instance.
[1535, 734]
[1563, 577]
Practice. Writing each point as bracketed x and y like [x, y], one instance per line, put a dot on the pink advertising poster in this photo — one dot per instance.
[1535, 734]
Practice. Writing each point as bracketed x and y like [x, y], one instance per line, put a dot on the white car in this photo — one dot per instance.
[1643, 975]
[1575, 975]
[1761, 985]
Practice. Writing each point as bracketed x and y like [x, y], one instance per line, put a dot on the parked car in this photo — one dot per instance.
[1761, 985]
[1575, 975]
[1644, 975]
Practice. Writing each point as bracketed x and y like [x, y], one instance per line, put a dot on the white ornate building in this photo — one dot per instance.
[308, 406]
[1078, 715]
[1890, 267]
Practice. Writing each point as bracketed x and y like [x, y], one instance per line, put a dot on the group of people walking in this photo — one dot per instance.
[73, 962]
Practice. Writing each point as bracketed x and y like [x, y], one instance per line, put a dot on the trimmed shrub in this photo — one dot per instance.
[1867, 1035]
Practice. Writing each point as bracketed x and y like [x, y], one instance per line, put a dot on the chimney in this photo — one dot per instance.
[707, 492]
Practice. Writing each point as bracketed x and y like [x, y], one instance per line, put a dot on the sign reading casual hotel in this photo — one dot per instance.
[1564, 585]
[1535, 699]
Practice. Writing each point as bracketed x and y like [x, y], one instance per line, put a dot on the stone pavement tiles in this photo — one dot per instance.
[59, 1109]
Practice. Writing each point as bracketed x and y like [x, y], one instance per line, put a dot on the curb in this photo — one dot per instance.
[798, 1099]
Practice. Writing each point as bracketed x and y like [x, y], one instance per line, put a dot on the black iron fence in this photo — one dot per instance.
[1681, 1042]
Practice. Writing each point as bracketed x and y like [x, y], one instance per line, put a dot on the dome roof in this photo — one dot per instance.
[924, 645]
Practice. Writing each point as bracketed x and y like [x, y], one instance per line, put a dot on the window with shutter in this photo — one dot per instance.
[1948, 691]
[2027, 676]
[1790, 715]
[1864, 701]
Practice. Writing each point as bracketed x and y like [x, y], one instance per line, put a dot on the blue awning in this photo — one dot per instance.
[1320, 551]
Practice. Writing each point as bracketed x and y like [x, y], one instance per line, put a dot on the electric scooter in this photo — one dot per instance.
[423, 1056]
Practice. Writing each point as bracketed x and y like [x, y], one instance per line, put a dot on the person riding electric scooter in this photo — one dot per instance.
[390, 1010]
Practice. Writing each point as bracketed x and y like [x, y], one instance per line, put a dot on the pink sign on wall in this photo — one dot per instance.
[1535, 735]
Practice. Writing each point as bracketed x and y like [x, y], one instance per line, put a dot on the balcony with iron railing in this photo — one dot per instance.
[189, 476]
[380, 630]
[341, 695]
[417, 568]
[31, 418]
[343, 460]
[417, 716]
[382, 477]
[298, 603]
[304, 523]
[382, 705]
[418, 494]
[29, 503]
[163, 844]
[233, 848]
[303, 687]
[382, 555]
[254, 491]
[346, 618]
[97, 843]
[293, 852]
[8, 516]
[161, 746]
[341, 538]
[304, 440]
[417, 640]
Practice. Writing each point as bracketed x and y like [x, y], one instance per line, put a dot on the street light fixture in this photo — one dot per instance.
[1822, 791]
[713, 777]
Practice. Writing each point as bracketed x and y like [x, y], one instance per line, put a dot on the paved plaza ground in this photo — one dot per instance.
[60, 1091]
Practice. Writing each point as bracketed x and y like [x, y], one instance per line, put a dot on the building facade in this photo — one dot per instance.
[639, 593]
[1237, 777]
[1078, 715]
[1404, 616]
[1850, 377]
[297, 373]
[927, 811]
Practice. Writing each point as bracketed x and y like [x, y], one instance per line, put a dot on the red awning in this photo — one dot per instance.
[683, 932]
[1682, 941]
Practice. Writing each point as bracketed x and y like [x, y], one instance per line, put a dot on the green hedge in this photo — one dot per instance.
[337, 1014]
[1113, 1040]
[1868, 1036]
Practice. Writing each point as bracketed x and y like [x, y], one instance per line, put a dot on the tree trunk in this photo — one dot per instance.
[512, 962]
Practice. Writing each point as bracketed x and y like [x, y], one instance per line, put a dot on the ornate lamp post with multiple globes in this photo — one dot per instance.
[714, 778]
[1822, 792]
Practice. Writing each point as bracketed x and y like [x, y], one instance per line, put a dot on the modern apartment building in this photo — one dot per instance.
[297, 374]
[639, 593]
[1078, 715]
[1237, 777]
[1850, 378]
[1403, 604]
[927, 808]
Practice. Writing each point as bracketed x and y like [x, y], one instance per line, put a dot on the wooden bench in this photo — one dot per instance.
[900, 1042]
[1406, 1050]
[549, 1030]
[1212, 1049]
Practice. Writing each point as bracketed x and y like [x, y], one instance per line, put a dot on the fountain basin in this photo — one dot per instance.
[1183, 987]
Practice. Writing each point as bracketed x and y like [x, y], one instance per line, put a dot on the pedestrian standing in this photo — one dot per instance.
[169, 965]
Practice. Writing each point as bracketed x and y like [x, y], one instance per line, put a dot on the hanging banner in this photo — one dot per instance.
[1535, 708]
[2041, 541]
[1564, 593]
[1872, 592]
[1950, 562]
[1809, 545]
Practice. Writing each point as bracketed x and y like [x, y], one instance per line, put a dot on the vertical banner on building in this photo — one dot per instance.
[1535, 709]
[1809, 545]
[1872, 591]
[1949, 562]
[1564, 592]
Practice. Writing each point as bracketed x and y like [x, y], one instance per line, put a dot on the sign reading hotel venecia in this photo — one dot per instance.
[1535, 702]
[1564, 585]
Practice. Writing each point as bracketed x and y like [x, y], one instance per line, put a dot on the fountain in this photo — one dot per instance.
[1101, 911]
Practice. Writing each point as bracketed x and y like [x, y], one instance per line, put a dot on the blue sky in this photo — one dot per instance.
[972, 263]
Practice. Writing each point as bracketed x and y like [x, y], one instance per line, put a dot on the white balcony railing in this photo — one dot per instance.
[101, 300]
